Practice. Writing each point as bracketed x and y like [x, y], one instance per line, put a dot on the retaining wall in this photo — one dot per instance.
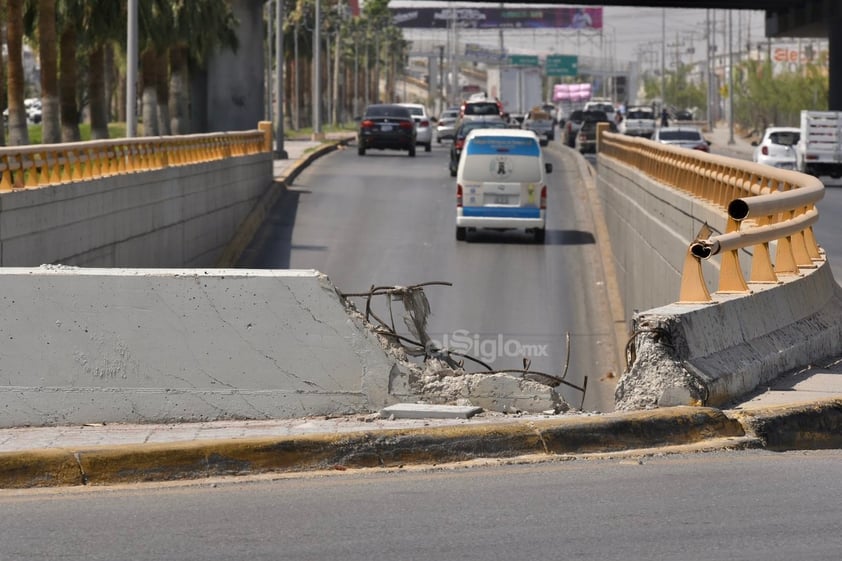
[161, 345]
[180, 216]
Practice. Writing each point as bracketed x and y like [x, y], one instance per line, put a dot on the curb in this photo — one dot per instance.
[248, 227]
[108, 465]
[805, 426]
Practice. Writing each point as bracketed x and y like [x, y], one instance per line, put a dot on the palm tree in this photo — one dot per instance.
[201, 26]
[50, 128]
[2, 77]
[18, 131]
[99, 31]
[68, 30]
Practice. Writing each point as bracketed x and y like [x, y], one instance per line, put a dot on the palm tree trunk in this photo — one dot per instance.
[180, 122]
[51, 129]
[67, 86]
[18, 132]
[2, 75]
[162, 93]
[111, 81]
[96, 92]
[148, 74]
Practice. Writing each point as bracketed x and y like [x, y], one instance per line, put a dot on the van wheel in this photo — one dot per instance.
[461, 233]
[540, 234]
[428, 147]
[452, 172]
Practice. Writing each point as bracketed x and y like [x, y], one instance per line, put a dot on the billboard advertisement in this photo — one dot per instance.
[499, 18]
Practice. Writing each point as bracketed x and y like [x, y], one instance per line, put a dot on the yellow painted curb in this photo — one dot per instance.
[801, 426]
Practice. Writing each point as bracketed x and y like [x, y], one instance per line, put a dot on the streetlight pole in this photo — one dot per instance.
[730, 77]
[663, 58]
[131, 70]
[317, 75]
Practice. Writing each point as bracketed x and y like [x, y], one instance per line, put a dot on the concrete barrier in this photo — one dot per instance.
[712, 353]
[164, 345]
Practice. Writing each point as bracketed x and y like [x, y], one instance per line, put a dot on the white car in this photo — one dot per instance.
[501, 183]
[423, 124]
[683, 137]
[777, 147]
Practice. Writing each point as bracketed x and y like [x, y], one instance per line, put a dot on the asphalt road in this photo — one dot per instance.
[750, 505]
[388, 219]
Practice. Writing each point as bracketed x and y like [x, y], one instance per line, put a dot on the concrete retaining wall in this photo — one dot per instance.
[180, 216]
[116, 345]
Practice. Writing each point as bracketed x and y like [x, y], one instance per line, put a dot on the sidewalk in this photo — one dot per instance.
[123, 453]
[722, 142]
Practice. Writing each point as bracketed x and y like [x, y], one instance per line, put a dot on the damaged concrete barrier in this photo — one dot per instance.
[711, 354]
[172, 345]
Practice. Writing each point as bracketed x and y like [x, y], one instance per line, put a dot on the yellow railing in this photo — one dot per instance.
[760, 204]
[42, 165]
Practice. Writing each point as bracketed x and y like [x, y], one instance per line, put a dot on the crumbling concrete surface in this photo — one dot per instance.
[657, 376]
[429, 375]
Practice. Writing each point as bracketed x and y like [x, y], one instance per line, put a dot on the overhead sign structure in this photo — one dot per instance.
[500, 18]
[523, 60]
[562, 65]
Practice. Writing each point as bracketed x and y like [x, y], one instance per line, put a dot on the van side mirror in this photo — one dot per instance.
[548, 167]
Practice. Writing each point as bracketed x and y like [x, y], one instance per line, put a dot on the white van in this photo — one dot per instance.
[501, 183]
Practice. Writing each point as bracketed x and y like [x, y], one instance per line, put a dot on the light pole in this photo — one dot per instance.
[131, 70]
[317, 74]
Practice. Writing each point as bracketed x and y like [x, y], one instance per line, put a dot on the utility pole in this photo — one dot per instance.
[317, 74]
[730, 77]
[709, 74]
[131, 70]
[663, 58]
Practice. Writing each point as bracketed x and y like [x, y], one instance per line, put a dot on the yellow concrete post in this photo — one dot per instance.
[266, 128]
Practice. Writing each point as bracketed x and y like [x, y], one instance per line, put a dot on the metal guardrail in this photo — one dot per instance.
[44, 165]
[762, 205]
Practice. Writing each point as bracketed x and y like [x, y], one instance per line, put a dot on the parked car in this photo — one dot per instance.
[682, 136]
[501, 183]
[446, 126]
[586, 139]
[541, 123]
[777, 147]
[423, 125]
[386, 127]
[462, 132]
[683, 115]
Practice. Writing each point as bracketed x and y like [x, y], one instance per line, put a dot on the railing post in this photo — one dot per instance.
[266, 128]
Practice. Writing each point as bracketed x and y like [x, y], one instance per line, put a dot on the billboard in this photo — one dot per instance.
[499, 18]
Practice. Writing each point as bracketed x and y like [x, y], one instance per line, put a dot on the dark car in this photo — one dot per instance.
[459, 138]
[571, 127]
[683, 115]
[586, 139]
[386, 127]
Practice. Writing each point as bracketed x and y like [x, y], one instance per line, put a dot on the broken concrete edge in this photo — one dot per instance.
[714, 353]
[804, 426]
[248, 228]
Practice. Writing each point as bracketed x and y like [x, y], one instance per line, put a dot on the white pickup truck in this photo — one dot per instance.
[819, 149]
[638, 121]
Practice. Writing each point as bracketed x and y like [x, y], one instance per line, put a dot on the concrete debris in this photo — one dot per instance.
[441, 381]
[656, 377]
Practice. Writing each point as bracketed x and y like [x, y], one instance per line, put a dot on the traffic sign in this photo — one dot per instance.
[523, 60]
[562, 65]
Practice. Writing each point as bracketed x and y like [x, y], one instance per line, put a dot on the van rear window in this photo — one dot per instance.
[490, 145]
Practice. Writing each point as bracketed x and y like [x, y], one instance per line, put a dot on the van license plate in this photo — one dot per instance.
[501, 199]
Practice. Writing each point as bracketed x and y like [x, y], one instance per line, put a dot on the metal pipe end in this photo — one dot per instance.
[738, 209]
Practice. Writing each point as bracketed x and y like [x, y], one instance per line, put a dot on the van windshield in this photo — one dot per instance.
[503, 159]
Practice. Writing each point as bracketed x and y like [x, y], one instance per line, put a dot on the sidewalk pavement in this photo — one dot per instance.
[799, 411]
[723, 141]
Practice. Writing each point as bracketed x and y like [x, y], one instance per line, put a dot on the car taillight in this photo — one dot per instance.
[458, 196]
[544, 197]
[765, 150]
[424, 124]
[703, 147]
[406, 125]
[459, 143]
[367, 124]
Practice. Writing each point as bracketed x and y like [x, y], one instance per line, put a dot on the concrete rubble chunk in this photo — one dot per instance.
[428, 411]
